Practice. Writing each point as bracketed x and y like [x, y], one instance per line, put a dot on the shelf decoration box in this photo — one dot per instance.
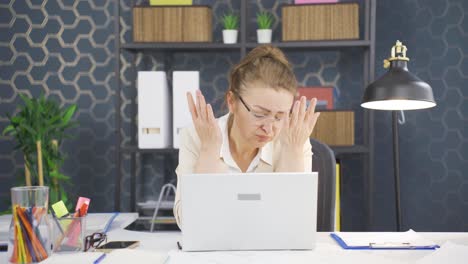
[320, 22]
[170, 2]
[335, 128]
[172, 24]
[304, 2]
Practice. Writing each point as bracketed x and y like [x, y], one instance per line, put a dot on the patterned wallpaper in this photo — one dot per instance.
[433, 143]
[66, 50]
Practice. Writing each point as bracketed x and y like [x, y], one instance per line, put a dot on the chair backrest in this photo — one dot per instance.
[323, 161]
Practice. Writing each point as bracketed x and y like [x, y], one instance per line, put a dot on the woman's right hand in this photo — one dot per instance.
[205, 124]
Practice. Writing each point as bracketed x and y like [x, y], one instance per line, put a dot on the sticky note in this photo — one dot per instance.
[60, 209]
[79, 204]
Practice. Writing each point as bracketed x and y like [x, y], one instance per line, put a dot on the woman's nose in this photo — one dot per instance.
[268, 127]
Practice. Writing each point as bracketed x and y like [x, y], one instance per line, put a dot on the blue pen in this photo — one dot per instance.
[109, 223]
[98, 260]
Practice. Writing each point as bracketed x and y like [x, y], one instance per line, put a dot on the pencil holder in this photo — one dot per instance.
[68, 234]
[30, 232]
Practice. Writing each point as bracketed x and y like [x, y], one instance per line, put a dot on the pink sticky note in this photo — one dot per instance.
[81, 201]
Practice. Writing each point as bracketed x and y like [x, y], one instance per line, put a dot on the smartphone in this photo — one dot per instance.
[3, 247]
[109, 246]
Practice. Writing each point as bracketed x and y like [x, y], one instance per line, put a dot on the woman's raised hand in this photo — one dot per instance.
[205, 124]
[298, 127]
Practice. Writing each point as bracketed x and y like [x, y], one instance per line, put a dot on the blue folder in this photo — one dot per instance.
[389, 246]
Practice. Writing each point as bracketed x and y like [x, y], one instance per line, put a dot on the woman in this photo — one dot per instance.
[263, 132]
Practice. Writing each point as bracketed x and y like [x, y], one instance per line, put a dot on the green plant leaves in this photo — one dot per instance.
[8, 129]
[42, 119]
[68, 114]
[230, 21]
[264, 20]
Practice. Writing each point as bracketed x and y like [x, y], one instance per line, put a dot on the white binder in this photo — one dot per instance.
[153, 110]
[182, 82]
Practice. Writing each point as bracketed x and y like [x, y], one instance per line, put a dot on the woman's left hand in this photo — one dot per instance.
[300, 124]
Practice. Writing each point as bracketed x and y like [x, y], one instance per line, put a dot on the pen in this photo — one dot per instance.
[98, 260]
[54, 216]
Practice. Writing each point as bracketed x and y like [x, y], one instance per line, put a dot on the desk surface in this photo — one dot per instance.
[326, 248]
[165, 242]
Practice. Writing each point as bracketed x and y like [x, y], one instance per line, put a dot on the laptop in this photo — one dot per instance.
[249, 211]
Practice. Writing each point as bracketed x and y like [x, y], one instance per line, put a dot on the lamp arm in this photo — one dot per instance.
[402, 121]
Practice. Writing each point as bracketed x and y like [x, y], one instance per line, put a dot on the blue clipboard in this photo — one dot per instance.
[386, 246]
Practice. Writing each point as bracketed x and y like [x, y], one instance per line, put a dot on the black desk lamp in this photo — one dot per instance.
[398, 89]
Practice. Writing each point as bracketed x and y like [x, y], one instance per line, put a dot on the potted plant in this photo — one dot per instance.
[231, 23]
[264, 21]
[39, 129]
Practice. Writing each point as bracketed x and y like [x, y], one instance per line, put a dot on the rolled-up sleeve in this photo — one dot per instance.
[188, 155]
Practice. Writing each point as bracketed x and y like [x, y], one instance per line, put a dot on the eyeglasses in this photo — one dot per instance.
[261, 117]
[94, 240]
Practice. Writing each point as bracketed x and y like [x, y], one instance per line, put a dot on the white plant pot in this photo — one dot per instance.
[264, 35]
[230, 36]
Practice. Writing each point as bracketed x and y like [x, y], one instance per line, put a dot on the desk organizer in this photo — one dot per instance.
[68, 234]
[30, 229]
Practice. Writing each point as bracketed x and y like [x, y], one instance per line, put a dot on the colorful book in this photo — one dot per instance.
[324, 96]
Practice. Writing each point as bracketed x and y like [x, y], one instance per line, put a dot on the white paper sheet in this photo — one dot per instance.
[448, 253]
[277, 257]
[68, 258]
[126, 256]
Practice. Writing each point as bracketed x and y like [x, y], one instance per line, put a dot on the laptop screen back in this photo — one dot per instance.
[249, 211]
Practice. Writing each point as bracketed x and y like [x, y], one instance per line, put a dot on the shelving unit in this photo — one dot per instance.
[367, 45]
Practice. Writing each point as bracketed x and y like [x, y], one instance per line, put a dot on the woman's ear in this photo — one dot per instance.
[231, 101]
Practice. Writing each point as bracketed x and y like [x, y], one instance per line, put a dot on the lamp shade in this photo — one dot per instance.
[398, 89]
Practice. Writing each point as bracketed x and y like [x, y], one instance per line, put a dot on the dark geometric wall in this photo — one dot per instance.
[66, 49]
[434, 142]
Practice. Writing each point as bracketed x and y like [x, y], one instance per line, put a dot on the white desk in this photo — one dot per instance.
[164, 242]
[326, 251]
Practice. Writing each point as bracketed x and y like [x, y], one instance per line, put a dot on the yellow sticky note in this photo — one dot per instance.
[60, 209]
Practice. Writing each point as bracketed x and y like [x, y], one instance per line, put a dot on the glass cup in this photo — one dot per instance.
[69, 234]
[30, 230]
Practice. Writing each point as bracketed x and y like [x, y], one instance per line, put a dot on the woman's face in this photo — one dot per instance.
[268, 108]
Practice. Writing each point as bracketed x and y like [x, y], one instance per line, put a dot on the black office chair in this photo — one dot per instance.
[323, 161]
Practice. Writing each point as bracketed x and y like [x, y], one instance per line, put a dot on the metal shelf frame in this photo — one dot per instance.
[367, 44]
